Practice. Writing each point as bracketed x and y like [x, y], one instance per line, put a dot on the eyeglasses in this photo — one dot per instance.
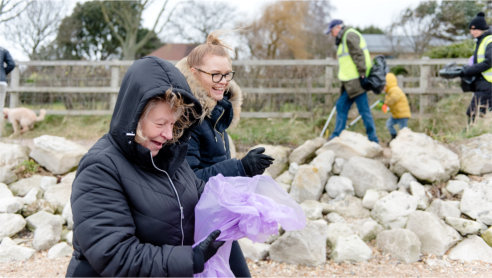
[217, 77]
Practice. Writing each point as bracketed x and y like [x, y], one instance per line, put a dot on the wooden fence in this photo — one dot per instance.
[272, 88]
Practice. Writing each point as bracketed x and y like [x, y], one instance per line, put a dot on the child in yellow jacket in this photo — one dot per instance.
[397, 102]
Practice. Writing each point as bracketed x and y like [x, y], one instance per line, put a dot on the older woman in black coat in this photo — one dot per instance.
[134, 195]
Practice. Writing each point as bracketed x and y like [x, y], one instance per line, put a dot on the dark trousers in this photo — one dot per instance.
[481, 100]
[237, 261]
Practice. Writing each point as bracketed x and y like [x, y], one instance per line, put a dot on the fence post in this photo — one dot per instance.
[423, 85]
[115, 79]
[14, 84]
[328, 85]
[309, 87]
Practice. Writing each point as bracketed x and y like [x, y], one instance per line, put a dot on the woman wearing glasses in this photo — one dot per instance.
[208, 70]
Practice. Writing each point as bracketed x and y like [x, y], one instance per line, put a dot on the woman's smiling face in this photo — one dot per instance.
[156, 127]
[212, 64]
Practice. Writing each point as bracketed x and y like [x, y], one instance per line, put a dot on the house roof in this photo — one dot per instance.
[173, 51]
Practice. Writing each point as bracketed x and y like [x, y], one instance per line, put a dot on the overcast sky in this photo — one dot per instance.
[361, 13]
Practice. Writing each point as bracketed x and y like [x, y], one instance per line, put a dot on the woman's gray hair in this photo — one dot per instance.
[185, 114]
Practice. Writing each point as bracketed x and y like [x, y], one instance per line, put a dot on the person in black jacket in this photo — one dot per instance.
[481, 68]
[6, 67]
[134, 194]
[208, 70]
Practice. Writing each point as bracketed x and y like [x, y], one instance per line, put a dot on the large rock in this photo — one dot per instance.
[472, 248]
[281, 156]
[306, 151]
[392, 210]
[10, 251]
[307, 246]
[367, 174]
[477, 202]
[400, 243]
[11, 156]
[23, 186]
[436, 237]
[351, 249]
[306, 184]
[350, 144]
[444, 208]
[323, 161]
[350, 207]
[59, 195]
[476, 155]
[255, 251]
[57, 154]
[465, 226]
[423, 157]
[11, 224]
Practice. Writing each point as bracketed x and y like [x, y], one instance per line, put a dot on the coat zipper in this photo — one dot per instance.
[177, 196]
[221, 135]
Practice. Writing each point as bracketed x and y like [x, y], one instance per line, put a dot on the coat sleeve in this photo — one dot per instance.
[480, 67]
[356, 52]
[105, 231]
[392, 97]
[228, 168]
[10, 63]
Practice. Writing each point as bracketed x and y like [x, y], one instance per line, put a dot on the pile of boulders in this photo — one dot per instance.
[415, 198]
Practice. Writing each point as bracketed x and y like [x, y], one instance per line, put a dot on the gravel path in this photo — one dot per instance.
[379, 266]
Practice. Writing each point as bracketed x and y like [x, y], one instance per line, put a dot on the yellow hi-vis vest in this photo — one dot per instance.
[481, 56]
[347, 70]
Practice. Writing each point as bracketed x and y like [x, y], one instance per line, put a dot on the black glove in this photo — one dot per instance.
[255, 162]
[462, 72]
[364, 83]
[205, 250]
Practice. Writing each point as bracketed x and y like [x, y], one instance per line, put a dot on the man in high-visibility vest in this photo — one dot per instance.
[354, 64]
[481, 68]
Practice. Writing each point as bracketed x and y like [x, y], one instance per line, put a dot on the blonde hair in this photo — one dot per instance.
[213, 46]
[184, 113]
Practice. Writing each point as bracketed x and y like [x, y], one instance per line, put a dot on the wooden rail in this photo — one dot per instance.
[329, 82]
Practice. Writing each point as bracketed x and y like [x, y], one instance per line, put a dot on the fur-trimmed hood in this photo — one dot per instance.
[205, 100]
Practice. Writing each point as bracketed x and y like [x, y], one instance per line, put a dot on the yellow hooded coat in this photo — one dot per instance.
[395, 98]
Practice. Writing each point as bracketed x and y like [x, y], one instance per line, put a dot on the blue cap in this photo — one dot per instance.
[332, 24]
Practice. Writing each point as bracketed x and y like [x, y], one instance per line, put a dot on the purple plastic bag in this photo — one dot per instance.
[242, 207]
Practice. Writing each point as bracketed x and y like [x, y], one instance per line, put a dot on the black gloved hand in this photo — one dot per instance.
[205, 250]
[364, 83]
[255, 162]
[462, 72]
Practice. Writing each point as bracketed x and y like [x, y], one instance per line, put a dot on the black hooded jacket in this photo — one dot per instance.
[209, 151]
[133, 213]
[481, 84]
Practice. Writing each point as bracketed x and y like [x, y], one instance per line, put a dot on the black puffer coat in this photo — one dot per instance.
[209, 152]
[481, 84]
[134, 214]
[7, 63]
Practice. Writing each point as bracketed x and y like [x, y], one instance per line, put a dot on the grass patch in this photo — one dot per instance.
[448, 123]
[70, 127]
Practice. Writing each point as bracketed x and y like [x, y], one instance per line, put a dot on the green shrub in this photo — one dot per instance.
[462, 49]
[399, 70]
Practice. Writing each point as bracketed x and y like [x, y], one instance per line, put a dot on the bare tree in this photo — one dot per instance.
[128, 14]
[290, 30]
[36, 27]
[194, 20]
[420, 27]
[9, 9]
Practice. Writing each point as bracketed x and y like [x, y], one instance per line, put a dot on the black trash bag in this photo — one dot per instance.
[450, 71]
[377, 75]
